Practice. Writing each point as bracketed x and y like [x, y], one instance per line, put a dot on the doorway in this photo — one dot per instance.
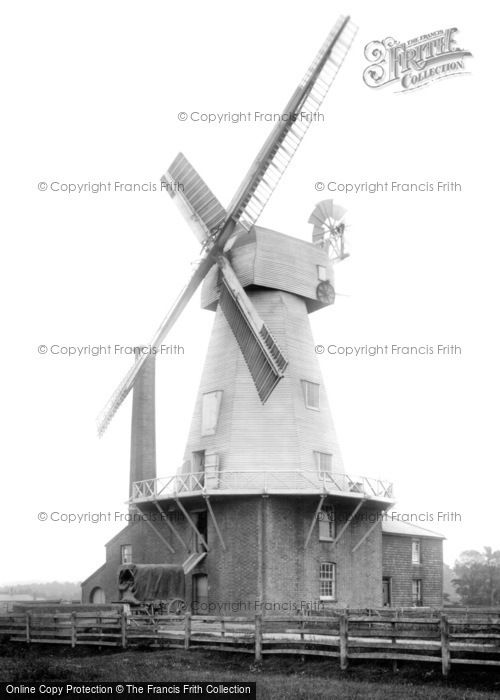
[386, 592]
[201, 522]
[200, 594]
[199, 467]
[97, 596]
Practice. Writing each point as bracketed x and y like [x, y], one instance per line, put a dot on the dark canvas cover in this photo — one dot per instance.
[139, 583]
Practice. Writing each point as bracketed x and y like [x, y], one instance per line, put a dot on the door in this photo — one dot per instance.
[199, 468]
[97, 597]
[200, 594]
[201, 522]
[386, 592]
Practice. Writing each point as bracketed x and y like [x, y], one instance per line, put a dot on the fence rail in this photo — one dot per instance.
[452, 638]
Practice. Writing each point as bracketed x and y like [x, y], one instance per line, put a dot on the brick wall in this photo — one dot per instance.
[265, 562]
[292, 570]
[398, 566]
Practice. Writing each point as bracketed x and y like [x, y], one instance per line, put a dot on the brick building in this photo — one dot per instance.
[261, 515]
[397, 565]
[412, 565]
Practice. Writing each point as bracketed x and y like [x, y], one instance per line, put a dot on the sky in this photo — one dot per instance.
[92, 94]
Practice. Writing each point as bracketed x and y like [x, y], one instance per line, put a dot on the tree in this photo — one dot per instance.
[450, 595]
[477, 577]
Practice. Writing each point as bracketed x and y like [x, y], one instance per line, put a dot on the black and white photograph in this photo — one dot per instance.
[250, 394]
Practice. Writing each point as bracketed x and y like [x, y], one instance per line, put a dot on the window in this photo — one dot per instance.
[327, 523]
[126, 550]
[415, 552]
[416, 591]
[321, 272]
[327, 580]
[323, 462]
[311, 394]
[210, 412]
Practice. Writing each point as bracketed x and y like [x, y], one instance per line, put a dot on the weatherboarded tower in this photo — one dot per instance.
[244, 440]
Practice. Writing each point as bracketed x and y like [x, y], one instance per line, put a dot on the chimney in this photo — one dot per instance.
[143, 435]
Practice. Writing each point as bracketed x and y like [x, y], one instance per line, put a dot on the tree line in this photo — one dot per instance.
[52, 590]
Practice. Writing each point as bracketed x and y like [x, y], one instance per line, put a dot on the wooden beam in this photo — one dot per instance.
[344, 642]
[260, 553]
[348, 521]
[445, 645]
[186, 515]
[216, 526]
[187, 629]
[170, 525]
[258, 637]
[318, 509]
[73, 629]
[155, 530]
[367, 534]
[123, 628]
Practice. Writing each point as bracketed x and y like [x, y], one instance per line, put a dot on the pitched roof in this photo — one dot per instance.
[398, 527]
[97, 571]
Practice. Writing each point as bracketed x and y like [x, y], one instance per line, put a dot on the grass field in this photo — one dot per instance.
[277, 677]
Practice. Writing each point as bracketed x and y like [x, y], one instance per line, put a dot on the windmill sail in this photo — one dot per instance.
[285, 138]
[260, 351]
[200, 206]
[178, 307]
[258, 347]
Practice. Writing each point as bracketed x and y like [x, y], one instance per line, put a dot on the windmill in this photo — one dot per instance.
[261, 462]
[217, 228]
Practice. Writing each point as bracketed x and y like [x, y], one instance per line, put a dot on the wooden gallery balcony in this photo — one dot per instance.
[263, 482]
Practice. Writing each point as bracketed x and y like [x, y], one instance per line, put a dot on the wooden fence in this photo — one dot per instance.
[452, 638]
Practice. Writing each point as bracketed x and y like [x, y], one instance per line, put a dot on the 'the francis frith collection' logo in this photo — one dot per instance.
[414, 63]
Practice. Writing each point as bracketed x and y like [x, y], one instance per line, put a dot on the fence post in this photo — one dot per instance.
[343, 641]
[123, 625]
[155, 625]
[258, 637]
[99, 625]
[187, 630]
[445, 644]
[394, 642]
[73, 629]
[302, 625]
[28, 627]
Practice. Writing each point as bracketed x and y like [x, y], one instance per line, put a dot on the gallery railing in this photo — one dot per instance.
[261, 481]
